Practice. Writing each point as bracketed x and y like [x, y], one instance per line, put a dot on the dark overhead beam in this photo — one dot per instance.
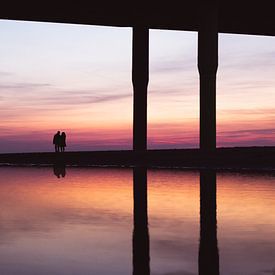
[240, 17]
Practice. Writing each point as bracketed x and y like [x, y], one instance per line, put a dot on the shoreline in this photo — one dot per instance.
[255, 158]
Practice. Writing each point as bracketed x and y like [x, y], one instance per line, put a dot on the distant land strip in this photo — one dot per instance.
[235, 158]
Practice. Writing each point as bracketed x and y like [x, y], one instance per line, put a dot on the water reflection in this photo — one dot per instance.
[208, 250]
[141, 254]
[87, 224]
[59, 169]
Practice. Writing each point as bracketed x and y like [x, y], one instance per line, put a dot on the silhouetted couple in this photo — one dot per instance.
[59, 141]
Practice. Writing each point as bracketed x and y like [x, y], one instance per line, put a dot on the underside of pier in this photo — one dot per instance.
[234, 16]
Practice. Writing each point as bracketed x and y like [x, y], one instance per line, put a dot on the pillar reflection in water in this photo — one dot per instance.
[208, 251]
[141, 257]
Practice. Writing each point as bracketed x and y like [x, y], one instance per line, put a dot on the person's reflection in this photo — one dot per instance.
[141, 256]
[59, 169]
[208, 251]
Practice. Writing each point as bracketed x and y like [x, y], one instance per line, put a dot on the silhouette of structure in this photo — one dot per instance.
[208, 251]
[141, 250]
[140, 77]
[207, 65]
[207, 17]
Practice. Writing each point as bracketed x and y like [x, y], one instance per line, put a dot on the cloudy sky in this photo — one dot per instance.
[77, 79]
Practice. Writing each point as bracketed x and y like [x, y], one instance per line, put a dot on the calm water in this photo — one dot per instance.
[88, 223]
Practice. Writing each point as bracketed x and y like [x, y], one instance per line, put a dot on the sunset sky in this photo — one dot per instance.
[77, 79]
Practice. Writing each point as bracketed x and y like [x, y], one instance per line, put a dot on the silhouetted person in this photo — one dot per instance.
[208, 251]
[63, 141]
[141, 254]
[56, 141]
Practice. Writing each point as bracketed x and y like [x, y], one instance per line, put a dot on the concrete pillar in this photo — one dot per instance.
[141, 253]
[207, 65]
[140, 77]
[208, 251]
